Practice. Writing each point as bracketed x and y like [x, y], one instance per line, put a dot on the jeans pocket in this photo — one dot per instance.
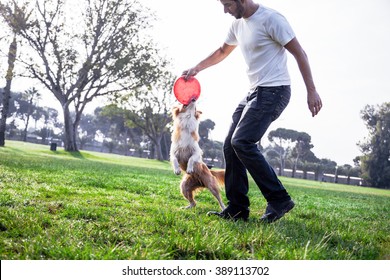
[284, 99]
[266, 100]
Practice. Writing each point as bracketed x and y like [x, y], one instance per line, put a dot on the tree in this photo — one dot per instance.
[204, 129]
[10, 111]
[51, 124]
[150, 110]
[47, 124]
[212, 150]
[112, 123]
[27, 108]
[281, 140]
[7, 90]
[16, 18]
[87, 130]
[302, 148]
[213, 153]
[375, 162]
[349, 171]
[89, 49]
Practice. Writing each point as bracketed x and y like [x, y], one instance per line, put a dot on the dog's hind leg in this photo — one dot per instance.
[187, 189]
[215, 191]
[211, 183]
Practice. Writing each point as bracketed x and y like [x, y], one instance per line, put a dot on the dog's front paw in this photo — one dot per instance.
[190, 170]
[177, 171]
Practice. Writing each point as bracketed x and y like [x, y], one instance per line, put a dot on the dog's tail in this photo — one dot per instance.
[220, 175]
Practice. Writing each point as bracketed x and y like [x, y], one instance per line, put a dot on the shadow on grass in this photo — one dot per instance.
[76, 154]
[22, 151]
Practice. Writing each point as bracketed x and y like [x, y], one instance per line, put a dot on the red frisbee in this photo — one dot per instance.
[186, 91]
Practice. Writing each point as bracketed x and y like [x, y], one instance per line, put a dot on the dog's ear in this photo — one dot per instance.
[197, 114]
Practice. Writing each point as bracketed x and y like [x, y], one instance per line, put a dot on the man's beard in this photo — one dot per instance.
[240, 11]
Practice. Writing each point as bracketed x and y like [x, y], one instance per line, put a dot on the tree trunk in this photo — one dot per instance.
[281, 170]
[7, 90]
[294, 170]
[29, 114]
[26, 128]
[69, 129]
[157, 144]
[4, 112]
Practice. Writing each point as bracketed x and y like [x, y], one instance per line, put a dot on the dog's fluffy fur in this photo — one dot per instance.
[186, 155]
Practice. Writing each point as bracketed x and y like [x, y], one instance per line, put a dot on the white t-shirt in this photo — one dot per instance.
[262, 38]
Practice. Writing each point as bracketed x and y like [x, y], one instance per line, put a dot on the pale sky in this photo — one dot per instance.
[347, 43]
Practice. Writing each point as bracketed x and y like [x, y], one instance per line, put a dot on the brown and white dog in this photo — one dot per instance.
[186, 155]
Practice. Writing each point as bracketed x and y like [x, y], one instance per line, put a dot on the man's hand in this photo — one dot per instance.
[314, 102]
[190, 73]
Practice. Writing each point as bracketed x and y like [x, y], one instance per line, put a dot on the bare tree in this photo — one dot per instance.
[89, 49]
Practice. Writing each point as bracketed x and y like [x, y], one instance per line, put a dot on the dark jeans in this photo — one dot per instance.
[251, 120]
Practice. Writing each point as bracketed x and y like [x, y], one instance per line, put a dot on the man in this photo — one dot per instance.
[263, 36]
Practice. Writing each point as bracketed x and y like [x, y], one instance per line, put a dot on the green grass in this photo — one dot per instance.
[59, 205]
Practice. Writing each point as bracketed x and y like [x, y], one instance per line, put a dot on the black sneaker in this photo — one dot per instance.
[229, 214]
[274, 212]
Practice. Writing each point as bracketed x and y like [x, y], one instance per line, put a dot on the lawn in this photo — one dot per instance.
[87, 205]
